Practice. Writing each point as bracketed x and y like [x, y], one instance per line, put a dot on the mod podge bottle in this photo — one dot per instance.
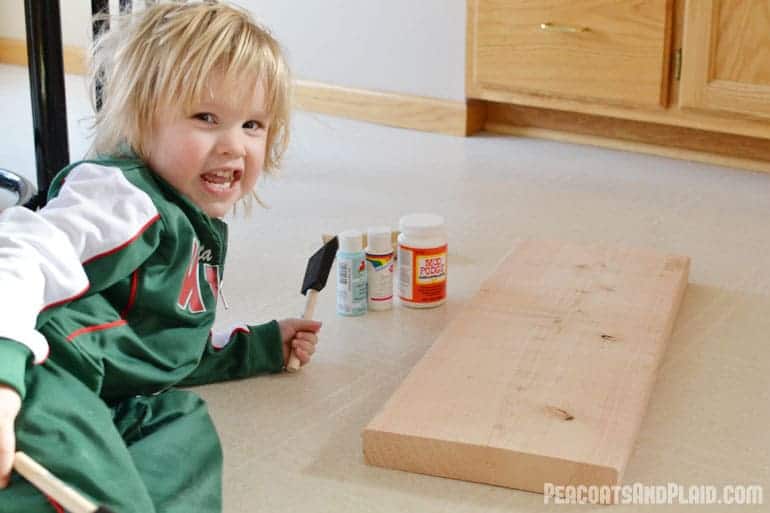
[422, 260]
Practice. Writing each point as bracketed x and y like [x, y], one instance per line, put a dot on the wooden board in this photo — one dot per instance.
[543, 377]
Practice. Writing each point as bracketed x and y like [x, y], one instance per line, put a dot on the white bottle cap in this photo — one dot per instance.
[378, 240]
[350, 241]
[422, 225]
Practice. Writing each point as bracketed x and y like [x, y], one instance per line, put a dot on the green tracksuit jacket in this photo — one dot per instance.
[114, 285]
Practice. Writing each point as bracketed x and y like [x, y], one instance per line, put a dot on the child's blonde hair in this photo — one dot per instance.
[164, 56]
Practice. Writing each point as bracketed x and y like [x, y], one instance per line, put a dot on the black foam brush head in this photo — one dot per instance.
[319, 265]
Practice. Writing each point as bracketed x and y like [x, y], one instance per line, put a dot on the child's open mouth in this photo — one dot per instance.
[221, 180]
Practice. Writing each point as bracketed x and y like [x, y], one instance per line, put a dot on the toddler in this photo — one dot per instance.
[108, 293]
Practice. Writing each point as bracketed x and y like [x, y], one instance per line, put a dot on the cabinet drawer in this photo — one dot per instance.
[616, 51]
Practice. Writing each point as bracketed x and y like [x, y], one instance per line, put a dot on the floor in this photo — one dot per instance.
[292, 442]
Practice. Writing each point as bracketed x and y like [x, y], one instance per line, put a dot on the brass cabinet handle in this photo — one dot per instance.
[553, 27]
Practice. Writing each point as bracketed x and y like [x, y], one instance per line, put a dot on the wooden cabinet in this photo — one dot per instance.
[726, 57]
[607, 50]
[694, 70]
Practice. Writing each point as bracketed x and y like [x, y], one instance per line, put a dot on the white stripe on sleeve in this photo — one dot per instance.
[220, 339]
[42, 253]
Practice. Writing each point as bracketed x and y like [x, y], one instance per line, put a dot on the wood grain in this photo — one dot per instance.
[52, 486]
[726, 58]
[393, 109]
[654, 138]
[544, 376]
[616, 52]
[720, 121]
[14, 51]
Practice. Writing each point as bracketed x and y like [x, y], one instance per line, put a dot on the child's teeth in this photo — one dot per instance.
[220, 179]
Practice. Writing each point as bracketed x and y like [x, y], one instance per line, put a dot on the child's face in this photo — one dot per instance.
[212, 155]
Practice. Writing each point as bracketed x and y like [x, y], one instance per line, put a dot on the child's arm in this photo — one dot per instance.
[244, 351]
[70, 248]
[38, 267]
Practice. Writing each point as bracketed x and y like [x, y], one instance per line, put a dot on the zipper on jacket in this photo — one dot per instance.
[222, 295]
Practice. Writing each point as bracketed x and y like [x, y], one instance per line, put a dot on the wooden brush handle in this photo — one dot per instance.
[52, 486]
[312, 297]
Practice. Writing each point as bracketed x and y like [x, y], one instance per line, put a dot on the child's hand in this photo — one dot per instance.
[300, 335]
[10, 403]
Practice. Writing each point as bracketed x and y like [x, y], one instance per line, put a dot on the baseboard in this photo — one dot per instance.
[14, 51]
[652, 138]
[393, 109]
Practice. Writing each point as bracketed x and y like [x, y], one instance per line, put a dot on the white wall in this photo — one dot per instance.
[74, 16]
[403, 46]
[407, 46]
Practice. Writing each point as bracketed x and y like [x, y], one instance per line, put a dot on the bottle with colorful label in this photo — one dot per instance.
[379, 268]
[351, 274]
[422, 261]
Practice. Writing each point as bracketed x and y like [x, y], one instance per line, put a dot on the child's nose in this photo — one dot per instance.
[231, 143]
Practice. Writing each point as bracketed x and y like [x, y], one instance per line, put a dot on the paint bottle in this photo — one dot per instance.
[351, 274]
[422, 260]
[379, 268]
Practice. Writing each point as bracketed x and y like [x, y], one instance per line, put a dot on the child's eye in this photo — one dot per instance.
[206, 117]
[253, 125]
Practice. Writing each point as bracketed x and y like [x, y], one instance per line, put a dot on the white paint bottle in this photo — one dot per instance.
[379, 268]
[422, 260]
[351, 274]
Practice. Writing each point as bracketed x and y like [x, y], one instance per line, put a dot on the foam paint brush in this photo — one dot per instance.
[53, 487]
[316, 274]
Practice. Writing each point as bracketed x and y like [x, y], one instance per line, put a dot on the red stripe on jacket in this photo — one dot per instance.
[67, 300]
[55, 505]
[99, 327]
[131, 294]
[101, 255]
[127, 243]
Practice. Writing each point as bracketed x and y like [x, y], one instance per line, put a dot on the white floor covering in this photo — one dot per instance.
[292, 442]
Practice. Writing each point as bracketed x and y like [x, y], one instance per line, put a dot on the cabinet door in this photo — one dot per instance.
[613, 51]
[726, 57]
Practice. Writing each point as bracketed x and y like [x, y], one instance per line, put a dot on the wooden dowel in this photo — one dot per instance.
[51, 485]
[312, 297]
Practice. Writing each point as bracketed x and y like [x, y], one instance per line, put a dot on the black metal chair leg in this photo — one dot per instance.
[99, 25]
[46, 77]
